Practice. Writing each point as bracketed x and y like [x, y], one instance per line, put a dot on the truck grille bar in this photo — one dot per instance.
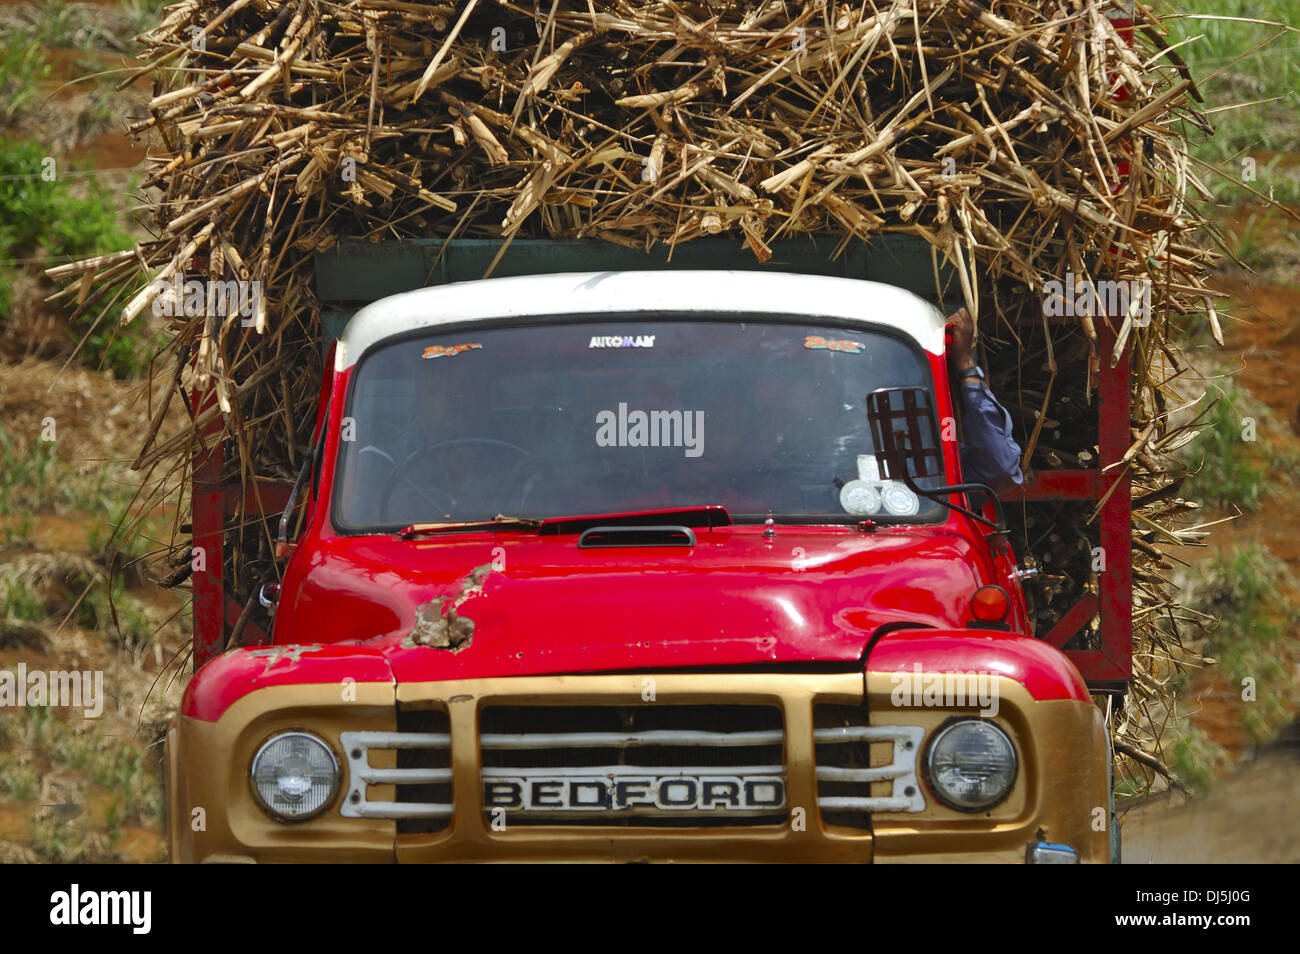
[421, 779]
[604, 740]
[847, 770]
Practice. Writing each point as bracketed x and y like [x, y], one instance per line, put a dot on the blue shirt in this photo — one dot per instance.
[990, 455]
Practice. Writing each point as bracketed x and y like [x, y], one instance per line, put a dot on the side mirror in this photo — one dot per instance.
[906, 435]
[905, 432]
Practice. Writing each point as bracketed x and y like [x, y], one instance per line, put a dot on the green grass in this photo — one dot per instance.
[1268, 131]
[22, 70]
[66, 25]
[103, 605]
[1225, 476]
[48, 222]
[144, 14]
[26, 473]
[117, 769]
[1198, 760]
[18, 778]
[1253, 620]
[124, 547]
[111, 765]
[34, 478]
[1248, 619]
[19, 601]
[1251, 245]
[109, 608]
[20, 528]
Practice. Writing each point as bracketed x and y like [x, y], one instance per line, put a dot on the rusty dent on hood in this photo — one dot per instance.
[437, 624]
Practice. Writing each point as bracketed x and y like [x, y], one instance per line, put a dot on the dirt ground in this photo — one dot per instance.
[1248, 818]
[75, 788]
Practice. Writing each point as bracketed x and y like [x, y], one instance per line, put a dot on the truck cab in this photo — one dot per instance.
[618, 566]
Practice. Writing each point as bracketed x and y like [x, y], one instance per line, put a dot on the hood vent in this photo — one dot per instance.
[666, 536]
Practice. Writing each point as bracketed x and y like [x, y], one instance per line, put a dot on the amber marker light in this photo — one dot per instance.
[990, 604]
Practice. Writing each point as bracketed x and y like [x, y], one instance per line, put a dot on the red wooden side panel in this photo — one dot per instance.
[1116, 579]
[1109, 666]
[208, 514]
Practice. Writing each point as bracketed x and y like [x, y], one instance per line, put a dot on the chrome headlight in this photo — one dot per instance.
[971, 765]
[294, 776]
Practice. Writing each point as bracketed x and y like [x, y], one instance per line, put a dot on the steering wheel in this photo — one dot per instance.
[439, 499]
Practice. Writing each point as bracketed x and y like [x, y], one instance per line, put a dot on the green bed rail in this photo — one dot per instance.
[354, 273]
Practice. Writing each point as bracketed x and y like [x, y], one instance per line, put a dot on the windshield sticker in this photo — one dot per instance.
[622, 341]
[446, 351]
[817, 342]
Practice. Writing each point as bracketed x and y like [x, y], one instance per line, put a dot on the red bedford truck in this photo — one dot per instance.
[642, 562]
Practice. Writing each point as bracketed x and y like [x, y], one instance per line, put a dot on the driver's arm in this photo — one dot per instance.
[991, 455]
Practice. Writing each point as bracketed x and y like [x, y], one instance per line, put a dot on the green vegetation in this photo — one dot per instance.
[144, 15]
[110, 765]
[1246, 601]
[96, 601]
[34, 478]
[24, 473]
[1253, 619]
[110, 609]
[18, 779]
[66, 25]
[22, 70]
[123, 547]
[1252, 246]
[1268, 132]
[48, 216]
[1226, 476]
[1198, 760]
[43, 221]
[114, 783]
[20, 601]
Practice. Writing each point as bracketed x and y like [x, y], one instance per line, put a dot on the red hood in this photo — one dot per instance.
[736, 598]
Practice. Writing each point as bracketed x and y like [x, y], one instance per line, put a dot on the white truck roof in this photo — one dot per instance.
[643, 292]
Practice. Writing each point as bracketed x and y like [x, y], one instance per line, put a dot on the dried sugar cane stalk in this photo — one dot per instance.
[427, 78]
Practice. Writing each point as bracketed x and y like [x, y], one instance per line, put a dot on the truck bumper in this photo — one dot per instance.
[1060, 795]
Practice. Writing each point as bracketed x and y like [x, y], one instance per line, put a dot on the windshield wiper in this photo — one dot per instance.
[499, 522]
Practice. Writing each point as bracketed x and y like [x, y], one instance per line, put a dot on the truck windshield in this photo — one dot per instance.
[572, 417]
